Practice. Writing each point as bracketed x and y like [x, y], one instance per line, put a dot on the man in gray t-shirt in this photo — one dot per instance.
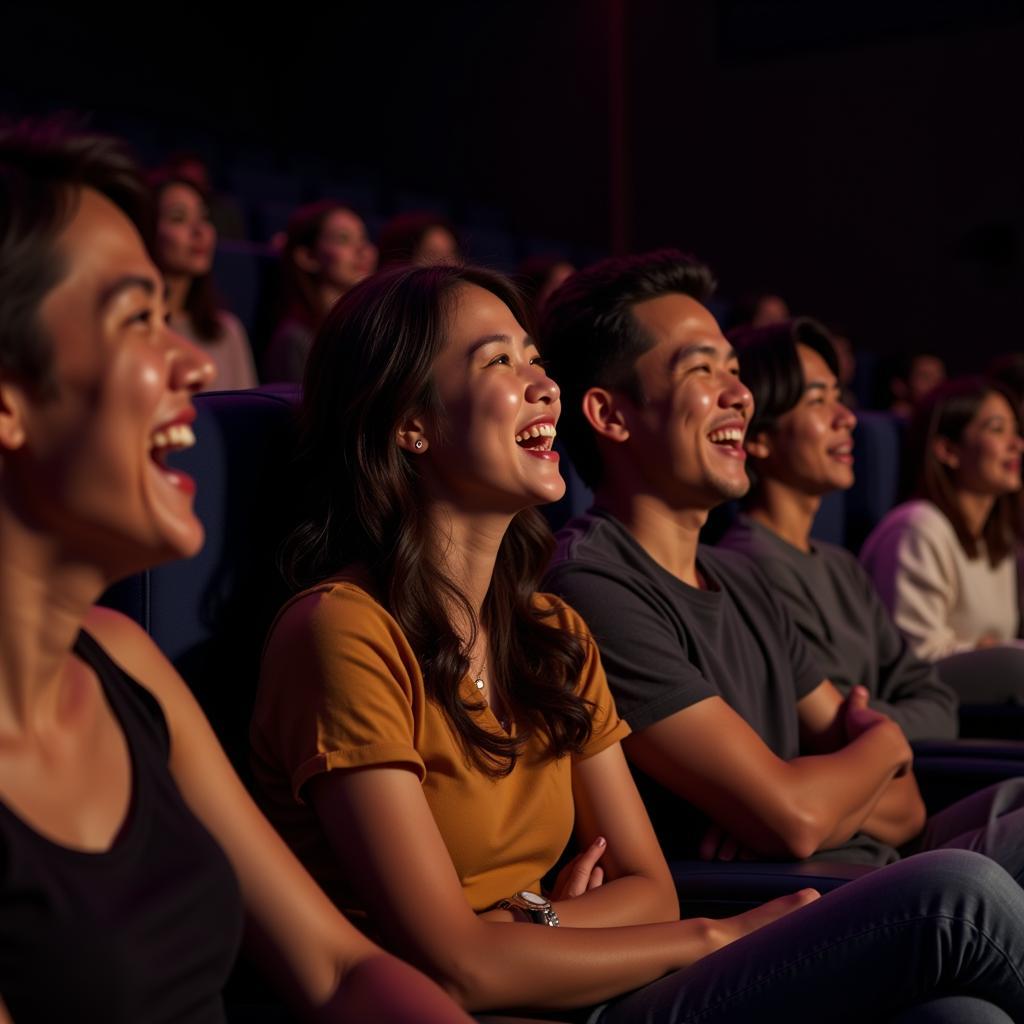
[839, 614]
[728, 708]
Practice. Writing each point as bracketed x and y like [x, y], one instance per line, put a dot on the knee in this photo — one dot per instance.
[961, 880]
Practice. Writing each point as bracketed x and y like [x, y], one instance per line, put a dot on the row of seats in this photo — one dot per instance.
[209, 615]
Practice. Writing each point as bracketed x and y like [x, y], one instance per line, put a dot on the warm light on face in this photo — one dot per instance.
[493, 451]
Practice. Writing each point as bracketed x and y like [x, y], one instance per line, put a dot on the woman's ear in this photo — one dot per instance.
[305, 260]
[759, 446]
[12, 427]
[946, 452]
[412, 435]
[604, 414]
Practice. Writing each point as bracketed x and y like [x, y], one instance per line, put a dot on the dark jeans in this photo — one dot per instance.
[894, 945]
[988, 675]
[990, 821]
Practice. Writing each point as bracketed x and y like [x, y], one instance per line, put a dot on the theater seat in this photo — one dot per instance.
[717, 889]
[878, 440]
[240, 272]
[209, 614]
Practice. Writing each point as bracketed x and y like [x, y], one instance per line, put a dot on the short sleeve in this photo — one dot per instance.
[646, 663]
[607, 726]
[339, 688]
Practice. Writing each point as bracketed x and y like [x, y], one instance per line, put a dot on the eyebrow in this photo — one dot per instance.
[822, 385]
[504, 339]
[124, 284]
[702, 348]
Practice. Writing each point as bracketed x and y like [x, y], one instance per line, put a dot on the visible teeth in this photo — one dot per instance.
[727, 434]
[537, 430]
[178, 435]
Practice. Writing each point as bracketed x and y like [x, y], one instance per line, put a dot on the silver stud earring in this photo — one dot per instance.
[419, 444]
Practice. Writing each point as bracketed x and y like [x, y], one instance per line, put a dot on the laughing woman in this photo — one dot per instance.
[945, 563]
[429, 729]
[129, 851]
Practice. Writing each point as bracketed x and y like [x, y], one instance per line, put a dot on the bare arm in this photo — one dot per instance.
[416, 899]
[328, 968]
[828, 722]
[638, 887]
[711, 757]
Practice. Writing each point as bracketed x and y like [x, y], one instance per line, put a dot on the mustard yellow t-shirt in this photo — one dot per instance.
[340, 689]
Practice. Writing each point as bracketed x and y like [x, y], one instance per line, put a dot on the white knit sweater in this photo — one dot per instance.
[942, 601]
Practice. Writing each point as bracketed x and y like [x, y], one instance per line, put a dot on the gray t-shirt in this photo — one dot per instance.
[836, 608]
[666, 646]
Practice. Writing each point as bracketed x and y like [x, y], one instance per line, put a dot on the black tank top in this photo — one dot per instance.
[145, 932]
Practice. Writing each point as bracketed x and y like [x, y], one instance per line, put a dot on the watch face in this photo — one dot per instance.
[533, 898]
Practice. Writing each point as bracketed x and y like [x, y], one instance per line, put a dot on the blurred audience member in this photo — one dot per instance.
[421, 237]
[326, 252]
[846, 365]
[911, 379]
[225, 211]
[539, 276]
[945, 562]
[760, 308]
[183, 243]
[1008, 370]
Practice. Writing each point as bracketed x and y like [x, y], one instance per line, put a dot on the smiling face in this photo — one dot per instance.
[987, 459]
[185, 236]
[89, 466]
[492, 449]
[810, 448]
[686, 439]
[343, 255]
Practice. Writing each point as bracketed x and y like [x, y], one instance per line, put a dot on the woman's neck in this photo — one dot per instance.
[785, 512]
[466, 548]
[975, 509]
[44, 599]
[177, 292]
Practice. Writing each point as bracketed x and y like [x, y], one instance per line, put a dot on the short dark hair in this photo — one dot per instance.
[590, 338]
[770, 365]
[946, 412]
[44, 165]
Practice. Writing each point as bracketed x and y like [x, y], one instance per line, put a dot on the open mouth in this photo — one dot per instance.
[167, 440]
[729, 439]
[842, 452]
[164, 442]
[537, 438]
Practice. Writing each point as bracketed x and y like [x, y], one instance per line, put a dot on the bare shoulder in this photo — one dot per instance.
[131, 647]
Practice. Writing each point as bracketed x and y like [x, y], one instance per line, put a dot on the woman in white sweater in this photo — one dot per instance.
[945, 563]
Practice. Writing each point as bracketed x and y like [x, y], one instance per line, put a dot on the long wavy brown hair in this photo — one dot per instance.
[946, 413]
[371, 367]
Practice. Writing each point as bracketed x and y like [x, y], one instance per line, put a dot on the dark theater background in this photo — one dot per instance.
[864, 160]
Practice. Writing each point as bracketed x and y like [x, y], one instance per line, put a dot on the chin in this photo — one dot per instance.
[730, 490]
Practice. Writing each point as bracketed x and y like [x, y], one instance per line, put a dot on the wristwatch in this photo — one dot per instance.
[537, 908]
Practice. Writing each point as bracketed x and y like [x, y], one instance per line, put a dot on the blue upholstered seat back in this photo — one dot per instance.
[209, 614]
